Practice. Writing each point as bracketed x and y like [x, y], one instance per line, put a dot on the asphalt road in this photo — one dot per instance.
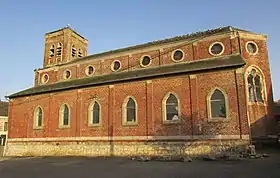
[85, 167]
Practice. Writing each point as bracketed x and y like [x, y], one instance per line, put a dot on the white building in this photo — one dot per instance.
[3, 122]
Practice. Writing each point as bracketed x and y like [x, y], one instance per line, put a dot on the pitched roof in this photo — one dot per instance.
[4, 108]
[178, 68]
[168, 40]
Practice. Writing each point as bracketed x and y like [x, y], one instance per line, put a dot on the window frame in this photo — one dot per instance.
[141, 61]
[246, 47]
[80, 53]
[59, 45]
[64, 74]
[87, 70]
[263, 85]
[5, 129]
[90, 116]
[124, 112]
[112, 65]
[35, 118]
[164, 112]
[43, 77]
[61, 116]
[210, 47]
[209, 112]
[172, 55]
[71, 52]
[52, 53]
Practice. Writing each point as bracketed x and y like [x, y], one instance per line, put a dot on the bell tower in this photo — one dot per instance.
[64, 45]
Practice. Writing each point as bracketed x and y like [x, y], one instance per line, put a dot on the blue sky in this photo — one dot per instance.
[115, 24]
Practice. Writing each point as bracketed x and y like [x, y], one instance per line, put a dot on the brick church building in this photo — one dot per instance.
[194, 94]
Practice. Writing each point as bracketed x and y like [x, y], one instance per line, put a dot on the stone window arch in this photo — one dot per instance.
[94, 113]
[64, 116]
[130, 111]
[217, 105]
[255, 85]
[38, 117]
[171, 110]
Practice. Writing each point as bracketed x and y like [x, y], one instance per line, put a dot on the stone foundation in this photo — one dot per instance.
[125, 148]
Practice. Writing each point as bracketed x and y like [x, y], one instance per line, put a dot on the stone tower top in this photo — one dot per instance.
[64, 45]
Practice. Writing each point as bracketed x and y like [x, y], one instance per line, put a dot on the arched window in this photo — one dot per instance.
[80, 53]
[217, 105]
[130, 111]
[74, 51]
[51, 53]
[64, 116]
[59, 49]
[171, 107]
[255, 86]
[38, 117]
[94, 113]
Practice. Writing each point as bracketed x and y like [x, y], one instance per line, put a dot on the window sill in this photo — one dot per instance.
[64, 127]
[94, 125]
[130, 124]
[257, 103]
[218, 119]
[37, 128]
[167, 122]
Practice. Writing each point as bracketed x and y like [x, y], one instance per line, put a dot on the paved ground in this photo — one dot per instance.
[82, 167]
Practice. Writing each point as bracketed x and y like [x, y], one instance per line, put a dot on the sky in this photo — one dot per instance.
[116, 24]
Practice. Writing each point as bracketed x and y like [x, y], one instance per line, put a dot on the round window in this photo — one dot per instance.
[116, 65]
[45, 78]
[251, 47]
[146, 60]
[90, 70]
[67, 74]
[178, 55]
[216, 49]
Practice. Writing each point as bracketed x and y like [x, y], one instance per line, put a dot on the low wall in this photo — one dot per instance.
[1, 150]
[125, 148]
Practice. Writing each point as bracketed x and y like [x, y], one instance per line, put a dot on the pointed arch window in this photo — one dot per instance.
[73, 51]
[64, 116]
[51, 52]
[80, 53]
[59, 49]
[217, 105]
[130, 111]
[171, 107]
[38, 118]
[94, 113]
[255, 86]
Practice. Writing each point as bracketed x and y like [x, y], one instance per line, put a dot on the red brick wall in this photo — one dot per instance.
[260, 115]
[202, 47]
[134, 60]
[161, 56]
[192, 92]
[111, 100]
[226, 82]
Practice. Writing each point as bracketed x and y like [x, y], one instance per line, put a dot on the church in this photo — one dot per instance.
[196, 94]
